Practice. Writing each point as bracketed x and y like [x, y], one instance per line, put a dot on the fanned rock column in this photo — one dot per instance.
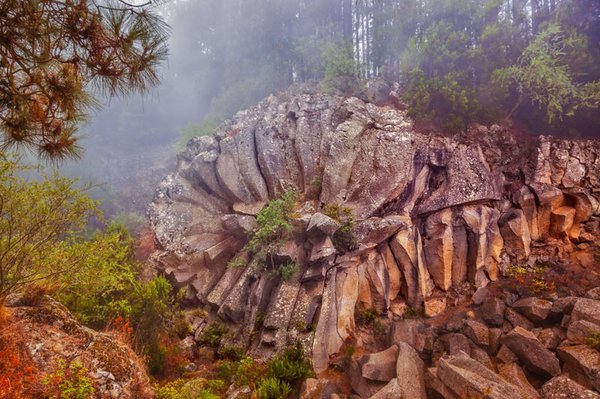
[439, 247]
[428, 213]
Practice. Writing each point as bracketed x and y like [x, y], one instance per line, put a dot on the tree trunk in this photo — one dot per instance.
[347, 20]
[514, 108]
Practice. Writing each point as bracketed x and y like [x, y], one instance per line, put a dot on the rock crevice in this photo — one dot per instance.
[431, 213]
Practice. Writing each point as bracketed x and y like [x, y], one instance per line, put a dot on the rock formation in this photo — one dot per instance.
[52, 339]
[431, 215]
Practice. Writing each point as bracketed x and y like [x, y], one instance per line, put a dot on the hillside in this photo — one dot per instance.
[331, 221]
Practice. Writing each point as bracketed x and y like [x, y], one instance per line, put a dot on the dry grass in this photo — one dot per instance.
[34, 293]
[19, 378]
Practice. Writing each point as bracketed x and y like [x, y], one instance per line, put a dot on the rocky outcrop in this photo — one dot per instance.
[431, 214]
[532, 352]
[53, 339]
[468, 378]
[565, 388]
[582, 363]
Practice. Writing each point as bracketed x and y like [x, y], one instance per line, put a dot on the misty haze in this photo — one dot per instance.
[300, 199]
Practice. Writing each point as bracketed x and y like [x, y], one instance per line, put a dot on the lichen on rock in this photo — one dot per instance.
[430, 213]
[54, 339]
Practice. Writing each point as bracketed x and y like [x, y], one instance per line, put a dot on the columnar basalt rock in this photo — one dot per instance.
[428, 212]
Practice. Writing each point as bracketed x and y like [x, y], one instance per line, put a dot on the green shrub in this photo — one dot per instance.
[69, 382]
[245, 371]
[212, 334]
[37, 219]
[287, 271]
[340, 68]
[415, 313]
[515, 270]
[164, 357]
[237, 262]
[232, 352]
[273, 388]
[198, 388]
[181, 327]
[594, 340]
[274, 225]
[106, 286]
[543, 75]
[366, 316]
[153, 305]
[248, 371]
[274, 221]
[439, 86]
[171, 390]
[226, 369]
[100, 288]
[441, 97]
[291, 366]
[276, 379]
[212, 389]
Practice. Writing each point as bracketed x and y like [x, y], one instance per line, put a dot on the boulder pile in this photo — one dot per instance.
[472, 358]
[423, 222]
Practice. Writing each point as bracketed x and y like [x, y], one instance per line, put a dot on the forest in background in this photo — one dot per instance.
[458, 61]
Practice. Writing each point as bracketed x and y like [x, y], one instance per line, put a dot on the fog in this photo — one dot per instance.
[225, 55]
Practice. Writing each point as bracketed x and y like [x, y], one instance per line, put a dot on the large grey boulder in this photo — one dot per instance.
[433, 383]
[564, 305]
[411, 331]
[391, 391]
[532, 352]
[516, 319]
[513, 373]
[410, 373]
[580, 331]
[563, 387]
[439, 247]
[323, 224]
[467, 377]
[582, 363]
[381, 366]
[313, 388]
[362, 386]
[515, 232]
[458, 343]
[477, 332]
[586, 309]
[535, 309]
[50, 337]
[492, 311]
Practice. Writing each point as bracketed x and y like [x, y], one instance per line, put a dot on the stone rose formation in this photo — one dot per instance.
[397, 247]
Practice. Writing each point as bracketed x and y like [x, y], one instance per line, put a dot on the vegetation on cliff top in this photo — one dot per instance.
[447, 54]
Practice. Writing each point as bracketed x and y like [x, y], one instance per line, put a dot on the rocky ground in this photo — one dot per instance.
[426, 265]
[53, 345]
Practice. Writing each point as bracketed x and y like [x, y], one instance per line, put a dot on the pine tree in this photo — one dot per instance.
[55, 54]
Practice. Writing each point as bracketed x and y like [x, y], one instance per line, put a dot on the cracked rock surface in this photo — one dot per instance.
[431, 214]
